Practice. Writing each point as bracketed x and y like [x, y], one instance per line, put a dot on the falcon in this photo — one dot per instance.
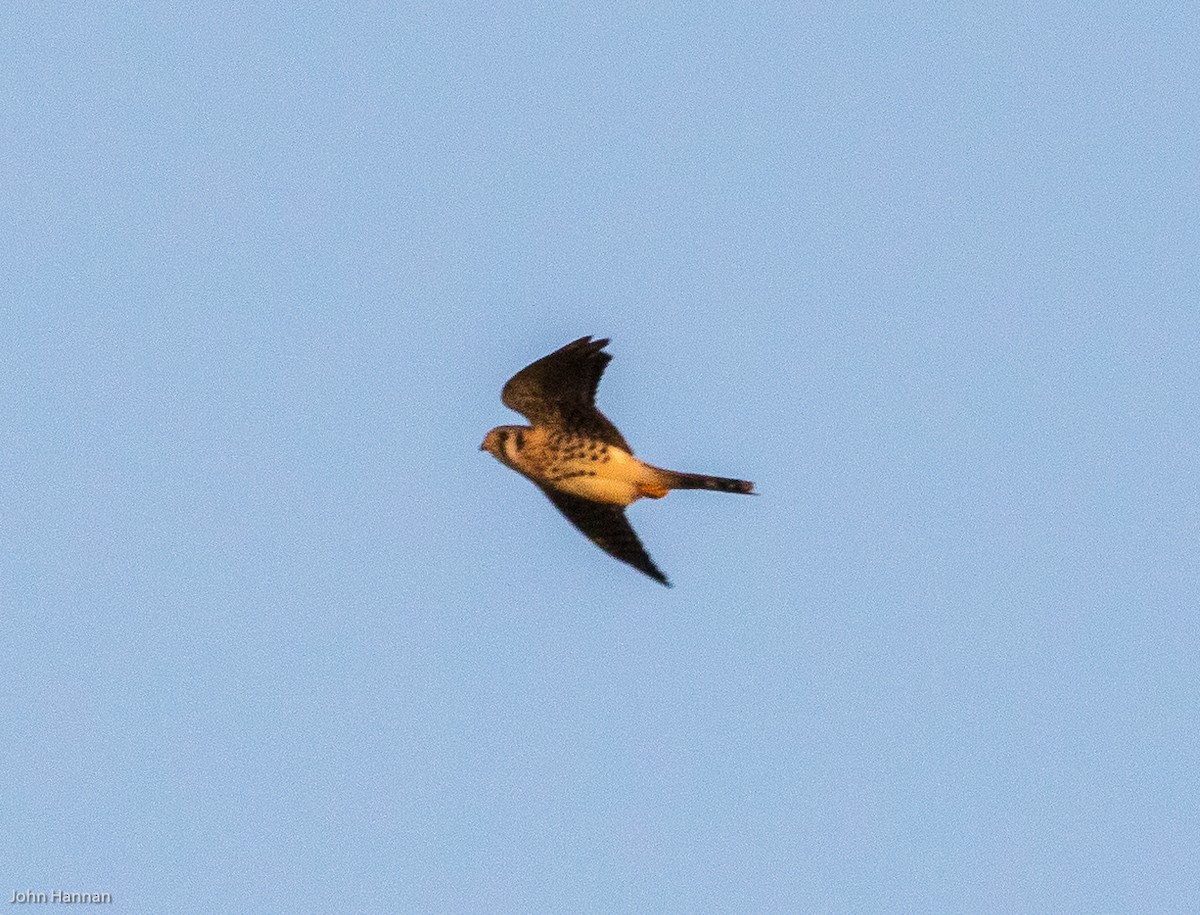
[577, 457]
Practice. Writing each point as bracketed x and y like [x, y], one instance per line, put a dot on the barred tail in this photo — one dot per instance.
[675, 480]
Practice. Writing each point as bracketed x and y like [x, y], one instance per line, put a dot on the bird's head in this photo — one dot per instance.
[503, 443]
[493, 442]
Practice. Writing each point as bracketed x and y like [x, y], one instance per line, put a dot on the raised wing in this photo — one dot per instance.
[559, 391]
[607, 527]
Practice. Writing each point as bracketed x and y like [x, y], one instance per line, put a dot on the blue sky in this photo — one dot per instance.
[279, 638]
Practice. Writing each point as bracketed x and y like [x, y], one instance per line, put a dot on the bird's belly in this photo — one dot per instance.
[610, 490]
[611, 477]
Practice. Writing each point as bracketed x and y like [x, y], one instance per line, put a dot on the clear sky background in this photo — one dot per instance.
[278, 638]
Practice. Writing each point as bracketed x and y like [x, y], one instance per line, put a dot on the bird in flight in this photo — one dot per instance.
[577, 457]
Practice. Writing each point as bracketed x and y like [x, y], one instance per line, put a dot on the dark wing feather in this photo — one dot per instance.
[607, 527]
[559, 391]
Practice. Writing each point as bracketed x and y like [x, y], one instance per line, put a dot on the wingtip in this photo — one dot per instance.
[590, 342]
[658, 576]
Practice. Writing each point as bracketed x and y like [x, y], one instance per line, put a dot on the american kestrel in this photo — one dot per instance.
[578, 458]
